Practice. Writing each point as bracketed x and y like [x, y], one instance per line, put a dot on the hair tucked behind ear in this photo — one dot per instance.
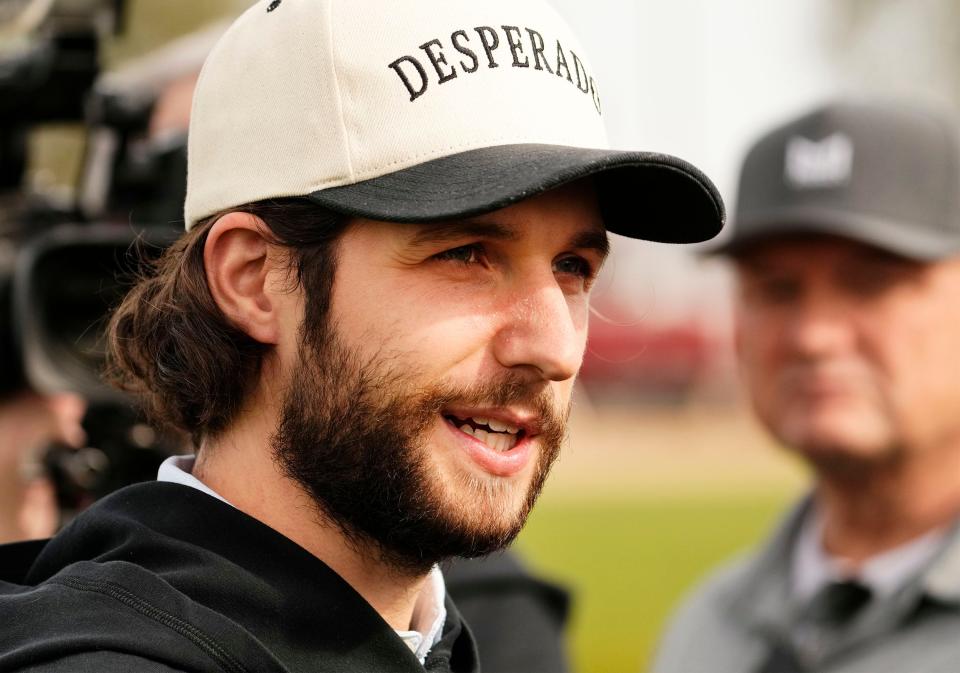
[169, 344]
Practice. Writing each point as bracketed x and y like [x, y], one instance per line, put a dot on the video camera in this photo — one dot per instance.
[63, 265]
[49, 60]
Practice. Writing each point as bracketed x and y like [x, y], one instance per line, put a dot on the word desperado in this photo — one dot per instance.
[554, 61]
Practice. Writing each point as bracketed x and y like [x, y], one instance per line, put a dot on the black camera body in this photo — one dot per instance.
[46, 69]
[49, 63]
[64, 266]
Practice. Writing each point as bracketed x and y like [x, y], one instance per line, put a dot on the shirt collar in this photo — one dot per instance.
[429, 615]
[178, 470]
[813, 567]
[942, 580]
[429, 612]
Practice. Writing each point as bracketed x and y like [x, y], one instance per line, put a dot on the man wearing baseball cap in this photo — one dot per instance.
[847, 255]
[370, 331]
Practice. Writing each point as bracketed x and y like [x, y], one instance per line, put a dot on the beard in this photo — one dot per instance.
[352, 434]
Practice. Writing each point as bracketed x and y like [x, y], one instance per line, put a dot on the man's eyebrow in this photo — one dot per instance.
[751, 265]
[594, 239]
[438, 232]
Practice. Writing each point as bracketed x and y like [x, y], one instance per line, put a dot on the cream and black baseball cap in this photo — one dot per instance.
[882, 173]
[421, 110]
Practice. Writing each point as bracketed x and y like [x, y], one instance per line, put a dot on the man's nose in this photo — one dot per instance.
[541, 333]
[819, 328]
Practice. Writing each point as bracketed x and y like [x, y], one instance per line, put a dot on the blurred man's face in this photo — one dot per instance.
[850, 354]
[426, 414]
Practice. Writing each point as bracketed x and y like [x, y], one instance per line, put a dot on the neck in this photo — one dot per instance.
[880, 507]
[238, 464]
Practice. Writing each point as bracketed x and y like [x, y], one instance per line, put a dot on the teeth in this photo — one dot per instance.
[495, 425]
[499, 426]
[497, 441]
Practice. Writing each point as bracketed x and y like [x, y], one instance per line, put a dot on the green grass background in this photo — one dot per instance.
[629, 561]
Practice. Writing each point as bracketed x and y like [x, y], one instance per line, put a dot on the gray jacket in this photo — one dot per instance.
[731, 622]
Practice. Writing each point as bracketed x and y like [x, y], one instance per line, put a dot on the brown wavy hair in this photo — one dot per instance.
[170, 345]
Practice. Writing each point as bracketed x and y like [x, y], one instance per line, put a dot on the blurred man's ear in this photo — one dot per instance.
[238, 261]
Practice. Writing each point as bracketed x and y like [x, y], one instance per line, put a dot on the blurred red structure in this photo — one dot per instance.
[662, 363]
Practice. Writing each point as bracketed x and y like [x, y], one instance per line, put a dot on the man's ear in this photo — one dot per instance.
[238, 262]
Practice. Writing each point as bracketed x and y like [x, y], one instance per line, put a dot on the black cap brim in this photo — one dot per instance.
[899, 238]
[644, 195]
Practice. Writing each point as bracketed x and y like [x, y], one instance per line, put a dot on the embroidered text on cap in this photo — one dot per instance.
[413, 73]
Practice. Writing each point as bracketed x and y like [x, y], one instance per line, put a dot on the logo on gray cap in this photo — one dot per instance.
[818, 163]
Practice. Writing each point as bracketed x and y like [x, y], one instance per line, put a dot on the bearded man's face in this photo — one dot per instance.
[425, 409]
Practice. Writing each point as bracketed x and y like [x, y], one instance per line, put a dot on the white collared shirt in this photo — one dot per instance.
[813, 567]
[429, 612]
[179, 470]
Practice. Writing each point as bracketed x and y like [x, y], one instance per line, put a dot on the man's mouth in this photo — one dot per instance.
[499, 435]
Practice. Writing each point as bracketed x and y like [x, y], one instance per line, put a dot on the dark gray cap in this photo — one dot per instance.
[881, 174]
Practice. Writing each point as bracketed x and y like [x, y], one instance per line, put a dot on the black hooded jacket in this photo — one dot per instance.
[161, 577]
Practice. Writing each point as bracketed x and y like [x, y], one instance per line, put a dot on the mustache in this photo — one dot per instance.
[847, 375]
[510, 390]
[371, 378]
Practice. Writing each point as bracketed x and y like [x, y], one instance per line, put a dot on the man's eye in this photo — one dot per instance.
[576, 266]
[868, 281]
[465, 254]
[779, 291]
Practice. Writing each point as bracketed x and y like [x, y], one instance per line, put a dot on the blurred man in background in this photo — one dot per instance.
[847, 254]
